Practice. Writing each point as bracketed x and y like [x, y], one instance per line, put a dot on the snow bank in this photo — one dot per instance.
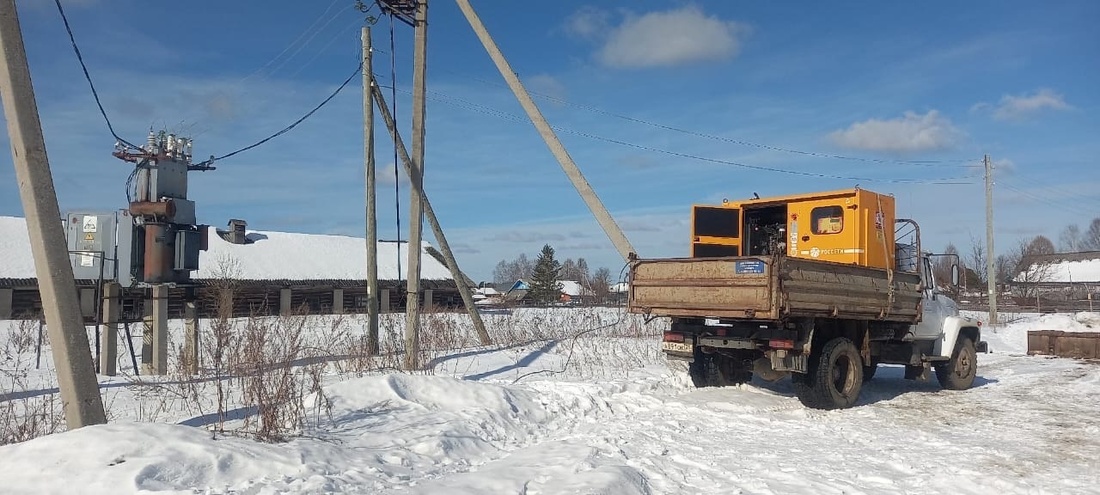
[131, 457]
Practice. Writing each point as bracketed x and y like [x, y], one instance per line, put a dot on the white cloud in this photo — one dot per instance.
[1018, 107]
[588, 22]
[547, 85]
[659, 39]
[909, 133]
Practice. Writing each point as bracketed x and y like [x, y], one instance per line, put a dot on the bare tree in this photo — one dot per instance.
[1038, 246]
[1071, 241]
[976, 260]
[1032, 266]
[507, 272]
[1091, 242]
[941, 269]
[600, 283]
[575, 270]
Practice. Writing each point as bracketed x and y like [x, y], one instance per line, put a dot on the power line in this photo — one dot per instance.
[295, 42]
[461, 103]
[289, 127]
[88, 77]
[739, 142]
[1047, 201]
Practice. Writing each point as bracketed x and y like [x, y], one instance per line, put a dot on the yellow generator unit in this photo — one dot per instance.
[853, 226]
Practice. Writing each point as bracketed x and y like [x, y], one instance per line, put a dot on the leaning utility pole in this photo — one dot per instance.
[618, 238]
[76, 378]
[416, 216]
[433, 221]
[371, 196]
[990, 264]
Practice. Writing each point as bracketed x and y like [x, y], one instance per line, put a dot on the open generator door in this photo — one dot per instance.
[715, 231]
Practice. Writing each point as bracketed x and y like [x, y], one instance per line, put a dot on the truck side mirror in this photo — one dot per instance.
[955, 274]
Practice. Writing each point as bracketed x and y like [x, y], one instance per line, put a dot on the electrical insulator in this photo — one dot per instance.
[170, 145]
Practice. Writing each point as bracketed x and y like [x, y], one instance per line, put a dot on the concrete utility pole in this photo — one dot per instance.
[618, 238]
[433, 221]
[412, 297]
[371, 194]
[72, 356]
[990, 265]
[108, 337]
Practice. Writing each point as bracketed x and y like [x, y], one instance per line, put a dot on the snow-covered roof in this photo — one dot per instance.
[620, 287]
[272, 256]
[574, 288]
[16, 260]
[1064, 268]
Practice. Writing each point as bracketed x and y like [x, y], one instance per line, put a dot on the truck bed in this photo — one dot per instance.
[771, 288]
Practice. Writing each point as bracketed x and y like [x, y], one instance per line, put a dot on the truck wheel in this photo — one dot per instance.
[834, 377]
[869, 371]
[960, 371]
[701, 371]
[717, 371]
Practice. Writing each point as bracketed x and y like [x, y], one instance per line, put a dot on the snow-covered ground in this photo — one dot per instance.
[601, 413]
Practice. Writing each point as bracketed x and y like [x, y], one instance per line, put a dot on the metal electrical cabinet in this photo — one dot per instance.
[91, 239]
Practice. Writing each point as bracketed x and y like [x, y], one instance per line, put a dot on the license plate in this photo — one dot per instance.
[676, 347]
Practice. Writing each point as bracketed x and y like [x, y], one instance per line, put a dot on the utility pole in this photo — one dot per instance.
[618, 238]
[76, 377]
[416, 216]
[433, 221]
[371, 194]
[990, 265]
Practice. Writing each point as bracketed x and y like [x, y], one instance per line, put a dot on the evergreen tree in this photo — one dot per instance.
[545, 282]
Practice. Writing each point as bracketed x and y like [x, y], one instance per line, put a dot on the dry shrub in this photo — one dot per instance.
[26, 411]
[277, 370]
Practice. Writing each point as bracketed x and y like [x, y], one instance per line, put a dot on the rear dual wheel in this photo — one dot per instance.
[714, 370]
[835, 377]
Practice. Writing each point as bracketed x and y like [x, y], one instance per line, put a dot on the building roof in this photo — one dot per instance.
[271, 256]
[1060, 268]
[573, 288]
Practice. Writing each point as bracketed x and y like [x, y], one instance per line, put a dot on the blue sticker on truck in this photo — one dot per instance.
[751, 266]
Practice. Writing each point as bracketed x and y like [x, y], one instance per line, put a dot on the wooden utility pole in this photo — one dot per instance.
[990, 265]
[433, 222]
[371, 194]
[416, 205]
[72, 356]
[618, 238]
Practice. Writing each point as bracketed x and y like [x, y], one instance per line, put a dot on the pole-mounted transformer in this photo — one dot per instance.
[166, 239]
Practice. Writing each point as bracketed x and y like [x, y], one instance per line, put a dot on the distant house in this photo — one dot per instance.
[269, 272]
[1063, 280]
[573, 292]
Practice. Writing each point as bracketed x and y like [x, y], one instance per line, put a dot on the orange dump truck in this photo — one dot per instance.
[820, 287]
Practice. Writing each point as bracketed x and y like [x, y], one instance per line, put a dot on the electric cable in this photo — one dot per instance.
[88, 77]
[288, 128]
[738, 142]
[396, 176]
[461, 103]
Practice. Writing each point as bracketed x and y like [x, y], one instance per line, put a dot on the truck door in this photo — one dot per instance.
[933, 305]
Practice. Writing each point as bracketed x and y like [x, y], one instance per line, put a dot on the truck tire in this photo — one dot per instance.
[709, 370]
[835, 377]
[869, 371]
[959, 372]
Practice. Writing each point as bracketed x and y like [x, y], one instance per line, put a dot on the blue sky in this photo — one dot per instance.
[887, 82]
